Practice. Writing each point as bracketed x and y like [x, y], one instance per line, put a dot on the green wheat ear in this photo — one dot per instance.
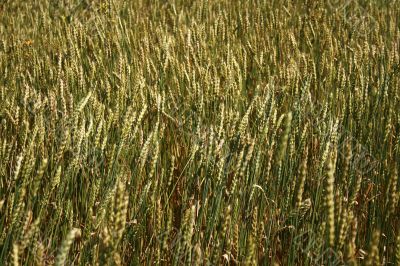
[66, 245]
[373, 254]
[329, 198]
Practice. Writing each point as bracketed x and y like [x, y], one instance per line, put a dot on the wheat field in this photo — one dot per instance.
[207, 132]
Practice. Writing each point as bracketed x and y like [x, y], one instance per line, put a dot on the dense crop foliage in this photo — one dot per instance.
[199, 132]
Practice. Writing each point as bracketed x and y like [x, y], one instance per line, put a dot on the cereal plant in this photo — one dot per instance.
[202, 132]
